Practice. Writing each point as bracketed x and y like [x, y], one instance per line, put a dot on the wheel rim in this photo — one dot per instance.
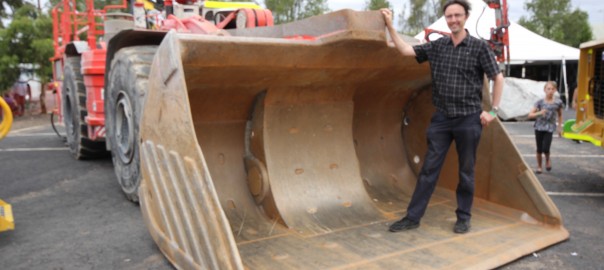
[124, 128]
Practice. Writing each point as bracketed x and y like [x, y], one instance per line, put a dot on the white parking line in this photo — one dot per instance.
[567, 156]
[575, 194]
[34, 149]
[27, 129]
[532, 136]
[518, 123]
[31, 135]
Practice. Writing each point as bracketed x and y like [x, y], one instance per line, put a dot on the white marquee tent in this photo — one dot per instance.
[525, 46]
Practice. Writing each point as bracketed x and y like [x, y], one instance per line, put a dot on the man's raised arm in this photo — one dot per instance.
[399, 43]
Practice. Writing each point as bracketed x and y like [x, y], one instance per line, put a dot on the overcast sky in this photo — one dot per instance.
[595, 8]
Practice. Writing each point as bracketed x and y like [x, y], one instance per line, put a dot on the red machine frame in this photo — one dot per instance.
[69, 24]
[499, 40]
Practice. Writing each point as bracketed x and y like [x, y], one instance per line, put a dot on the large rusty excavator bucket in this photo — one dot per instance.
[265, 152]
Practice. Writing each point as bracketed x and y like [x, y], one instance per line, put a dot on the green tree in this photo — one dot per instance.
[377, 4]
[422, 14]
[555, 19]
[12, 5]
[27, 39]
[292, 10]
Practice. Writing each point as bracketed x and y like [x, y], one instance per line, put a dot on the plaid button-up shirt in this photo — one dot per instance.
[458, 73]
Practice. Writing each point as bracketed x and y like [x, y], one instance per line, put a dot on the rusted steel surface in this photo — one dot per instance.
[271, 153]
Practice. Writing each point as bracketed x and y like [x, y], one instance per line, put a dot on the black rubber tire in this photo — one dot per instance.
[73, 96]
[124, 99]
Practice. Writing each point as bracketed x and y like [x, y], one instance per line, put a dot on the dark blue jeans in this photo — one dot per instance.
[465, 131]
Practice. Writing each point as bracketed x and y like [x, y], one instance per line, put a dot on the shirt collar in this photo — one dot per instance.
[463, 42]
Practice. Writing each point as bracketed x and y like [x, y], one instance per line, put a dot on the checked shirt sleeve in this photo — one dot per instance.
[488, 62]
[422, 52]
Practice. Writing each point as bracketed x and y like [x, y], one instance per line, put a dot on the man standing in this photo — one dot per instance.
[458, 64]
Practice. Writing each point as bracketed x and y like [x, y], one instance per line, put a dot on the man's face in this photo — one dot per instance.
[456, 18]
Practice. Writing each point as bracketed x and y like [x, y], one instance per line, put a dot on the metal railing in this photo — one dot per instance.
[70, 23]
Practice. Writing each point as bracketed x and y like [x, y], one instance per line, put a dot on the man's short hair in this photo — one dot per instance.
[463, 3]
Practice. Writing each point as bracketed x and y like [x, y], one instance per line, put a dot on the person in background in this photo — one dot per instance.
[21, 91]
[10, 102]
[574, 101]
[547, 113]
[575, 107]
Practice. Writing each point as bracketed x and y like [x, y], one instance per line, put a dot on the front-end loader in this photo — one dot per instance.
[284, 147]
[589, 123]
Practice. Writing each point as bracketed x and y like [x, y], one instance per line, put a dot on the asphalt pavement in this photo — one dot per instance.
[72, 214]
[576, 185]
[68, 214]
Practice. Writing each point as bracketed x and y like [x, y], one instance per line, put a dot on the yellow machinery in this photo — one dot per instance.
[6, 213]
[6, 217]
[589, 124]
[6, 118]
[295, 146]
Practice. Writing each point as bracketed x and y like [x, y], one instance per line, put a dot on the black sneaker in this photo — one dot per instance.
[462, 226]
[403, 225]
